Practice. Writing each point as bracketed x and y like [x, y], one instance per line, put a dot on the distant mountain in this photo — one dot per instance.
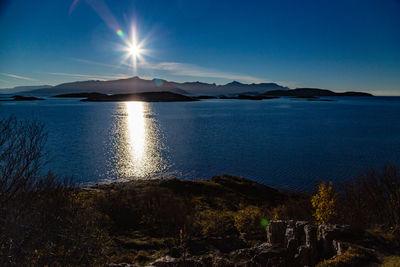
[229, 88]
[121, 86]
[312, 92]
[146, 97]
[138, 85]
[18, 89]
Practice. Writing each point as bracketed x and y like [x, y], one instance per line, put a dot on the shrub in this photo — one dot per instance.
[372, 199]
[280, 213]
[42, 220]
[251, 222]
[216, 223]
[21, 157]
[297, 207]
[324, 203]
[51, 226]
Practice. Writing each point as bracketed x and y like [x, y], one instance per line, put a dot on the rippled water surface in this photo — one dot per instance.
[280, 142]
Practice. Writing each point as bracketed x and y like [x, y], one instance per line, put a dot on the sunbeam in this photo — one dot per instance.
[133, 48]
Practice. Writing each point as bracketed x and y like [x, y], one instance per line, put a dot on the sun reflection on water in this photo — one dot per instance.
[137, 144]
[136, 130]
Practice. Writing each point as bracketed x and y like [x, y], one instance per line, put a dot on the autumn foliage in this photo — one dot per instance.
[324, 203]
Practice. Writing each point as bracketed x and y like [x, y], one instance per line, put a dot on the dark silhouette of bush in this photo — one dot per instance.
[372, 199]
[21, 157]
[295, 207]
[42, 219]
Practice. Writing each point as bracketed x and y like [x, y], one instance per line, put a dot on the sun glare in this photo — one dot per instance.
[134, 50]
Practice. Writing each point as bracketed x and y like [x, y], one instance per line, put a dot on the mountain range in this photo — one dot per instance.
[139, 85]
[18, 89]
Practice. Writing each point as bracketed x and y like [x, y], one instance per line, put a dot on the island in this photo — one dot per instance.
[146, 97]
[312, 92]
[23, 98]
[309, 94]
[80, 95]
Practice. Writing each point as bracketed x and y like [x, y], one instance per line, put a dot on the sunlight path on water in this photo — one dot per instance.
[136, 128]
[137, 142]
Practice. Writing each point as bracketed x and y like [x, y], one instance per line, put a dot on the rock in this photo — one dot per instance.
[168, 261]
[338, 247]
[266, 255]
[261, 255]
[310, 232]
[221, 261]
[226, 245]
[242, 254]
[175, 252]
[299, 231]
[276, 231]
[294, 235]
[334, 232]
[196, 247]
[330, 234]
[305, 243]
[290, 243]
[302, 257]
[121, 265]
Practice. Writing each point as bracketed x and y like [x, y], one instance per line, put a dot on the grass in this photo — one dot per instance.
[354, 256]
[391, 261]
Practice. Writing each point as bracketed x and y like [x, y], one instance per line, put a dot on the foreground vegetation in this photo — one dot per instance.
[45, 220]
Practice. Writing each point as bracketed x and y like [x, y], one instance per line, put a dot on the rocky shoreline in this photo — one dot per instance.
[288, 243]
[281, 242]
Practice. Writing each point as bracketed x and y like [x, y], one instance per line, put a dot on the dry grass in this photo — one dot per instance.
[391, 261]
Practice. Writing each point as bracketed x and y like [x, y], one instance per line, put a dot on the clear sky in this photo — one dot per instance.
[334, 44]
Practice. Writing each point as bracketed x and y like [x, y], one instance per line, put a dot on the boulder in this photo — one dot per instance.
[289, 243]
[261, 255]
[276, 231]
[311, 242]
[305, 243]
[329, 237]
[226, 245]
[168, 261]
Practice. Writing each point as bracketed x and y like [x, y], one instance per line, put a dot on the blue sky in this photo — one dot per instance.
[339, 45]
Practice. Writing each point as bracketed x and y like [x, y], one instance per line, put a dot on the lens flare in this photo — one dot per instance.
[120, 33]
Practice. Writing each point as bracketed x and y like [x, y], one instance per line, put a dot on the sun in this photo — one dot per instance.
[134, 50]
